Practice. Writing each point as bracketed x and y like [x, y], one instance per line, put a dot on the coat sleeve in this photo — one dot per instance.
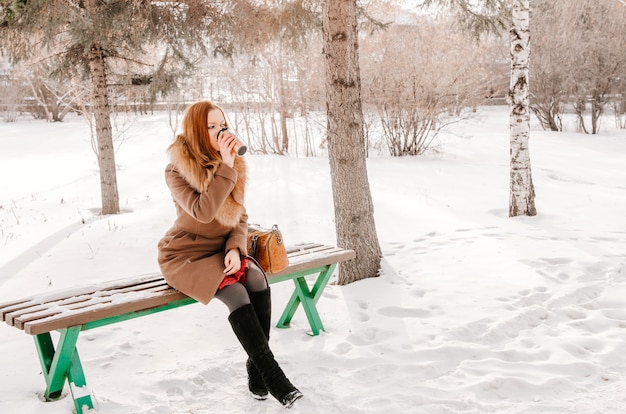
[201, 206]
[238, 238]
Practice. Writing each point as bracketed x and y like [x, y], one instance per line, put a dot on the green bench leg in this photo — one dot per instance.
[61, 364]
[308, 299]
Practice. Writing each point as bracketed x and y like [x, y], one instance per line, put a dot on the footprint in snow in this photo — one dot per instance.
[399, 312]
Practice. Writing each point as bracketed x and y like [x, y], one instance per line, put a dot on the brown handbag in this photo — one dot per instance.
[267, 248]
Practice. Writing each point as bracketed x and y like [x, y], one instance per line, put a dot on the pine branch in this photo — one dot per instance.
[488, 16]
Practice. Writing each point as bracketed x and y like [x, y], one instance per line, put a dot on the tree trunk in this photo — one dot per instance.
[597, 109]
[104, 134]
[522, 195]
[354, 211]
[282, 102]
[580, 106]
[39, 97]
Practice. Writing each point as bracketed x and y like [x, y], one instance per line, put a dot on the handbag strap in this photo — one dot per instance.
[253, 245]
[277, 233]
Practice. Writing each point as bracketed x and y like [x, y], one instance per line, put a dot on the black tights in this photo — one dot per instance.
[236, 295]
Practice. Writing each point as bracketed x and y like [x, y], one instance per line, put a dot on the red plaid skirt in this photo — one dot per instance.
[240, 276]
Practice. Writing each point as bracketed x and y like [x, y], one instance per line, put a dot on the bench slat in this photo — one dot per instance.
[97, 313]
[36, 304]
[57, 296]
[88, 304]
[8, 306]
[79, 306]
[316, 258]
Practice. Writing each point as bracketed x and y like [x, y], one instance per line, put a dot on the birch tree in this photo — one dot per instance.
[522, 190]
[478, 17]
[354, 211]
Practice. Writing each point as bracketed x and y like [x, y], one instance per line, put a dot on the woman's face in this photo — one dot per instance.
[215, 121]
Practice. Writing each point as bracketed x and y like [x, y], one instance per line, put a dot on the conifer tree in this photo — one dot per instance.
[354, 210]
[89, 37]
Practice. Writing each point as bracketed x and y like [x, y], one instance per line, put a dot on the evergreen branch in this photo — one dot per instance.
[489, 16]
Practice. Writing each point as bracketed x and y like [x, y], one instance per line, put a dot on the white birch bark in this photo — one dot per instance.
[522, 192]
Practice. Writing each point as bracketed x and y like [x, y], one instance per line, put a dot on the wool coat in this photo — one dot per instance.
[210, 220]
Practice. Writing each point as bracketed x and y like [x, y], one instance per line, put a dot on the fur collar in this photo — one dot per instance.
[199, 178]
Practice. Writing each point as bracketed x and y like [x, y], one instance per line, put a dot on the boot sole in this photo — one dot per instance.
[292, 397]
[258, 397]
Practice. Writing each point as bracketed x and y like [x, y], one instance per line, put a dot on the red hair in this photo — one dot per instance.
[195, 134]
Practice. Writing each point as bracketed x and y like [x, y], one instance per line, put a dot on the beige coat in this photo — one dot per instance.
[211, 220]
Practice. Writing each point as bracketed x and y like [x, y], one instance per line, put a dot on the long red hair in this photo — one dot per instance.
[195, 134]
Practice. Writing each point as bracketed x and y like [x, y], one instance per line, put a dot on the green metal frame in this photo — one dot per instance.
[62, 362]
[305, 296]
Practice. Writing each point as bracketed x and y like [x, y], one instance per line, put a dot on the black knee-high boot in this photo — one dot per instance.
[248, 330]
[262, 304]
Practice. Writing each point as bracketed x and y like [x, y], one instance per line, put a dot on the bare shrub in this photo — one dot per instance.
[12, 100]
[13, 93]
[420, 77]
[581, 64]
[619, 106]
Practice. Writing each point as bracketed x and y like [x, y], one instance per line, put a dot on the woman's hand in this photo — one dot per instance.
[226, 142]
[232, 261]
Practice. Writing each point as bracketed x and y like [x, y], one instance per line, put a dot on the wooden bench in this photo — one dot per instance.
[81, 309]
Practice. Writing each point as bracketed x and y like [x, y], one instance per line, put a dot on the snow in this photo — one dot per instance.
[475, 312]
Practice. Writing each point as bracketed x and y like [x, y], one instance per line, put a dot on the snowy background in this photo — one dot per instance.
[475, 312]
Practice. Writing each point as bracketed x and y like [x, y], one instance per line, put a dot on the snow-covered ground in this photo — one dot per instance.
[475, 312]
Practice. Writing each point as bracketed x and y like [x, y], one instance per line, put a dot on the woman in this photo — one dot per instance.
[204, 253]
